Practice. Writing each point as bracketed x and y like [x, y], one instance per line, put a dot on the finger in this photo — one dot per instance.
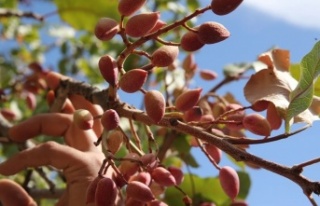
[12, 194]
[49, 153]
[53, 79]
[67, 106]
[79, 102]
[53, 124]
[63, 200]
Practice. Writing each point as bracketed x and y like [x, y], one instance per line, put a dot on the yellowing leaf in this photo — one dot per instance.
[275, 84]
[84, 15]
[301, 97]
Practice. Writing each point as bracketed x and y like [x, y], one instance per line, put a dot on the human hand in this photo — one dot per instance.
[79, 159]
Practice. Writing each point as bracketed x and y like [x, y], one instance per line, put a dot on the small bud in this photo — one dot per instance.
[108, 69]
[164, 56]
[212, 32]
[129, 7]
[110, 119]
[188, 99]
[83, 119]
[133, 80]
[140, 24]
[155, 105]
[106, 29]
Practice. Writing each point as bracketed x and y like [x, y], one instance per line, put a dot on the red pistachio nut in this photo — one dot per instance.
[223, 7]
[133, 80]
[164, 56]
[229, 181]
[188, 99]
[129, 7]
[110, 119]
[212, 32]
[155, 105]
[106, 29]
[140, 24]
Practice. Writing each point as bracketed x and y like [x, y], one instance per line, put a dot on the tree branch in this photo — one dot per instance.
[20, 14]
[127, 111]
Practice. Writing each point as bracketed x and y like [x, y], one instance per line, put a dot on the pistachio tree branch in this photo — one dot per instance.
[127, 111]
[20, 14]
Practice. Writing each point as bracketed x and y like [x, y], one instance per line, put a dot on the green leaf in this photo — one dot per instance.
[234, 70]
[245, 184]
[198, 189]
[193, 4]
[295, 72]
[240, 164]
[84, 15]
[8, 3]
[301, 96]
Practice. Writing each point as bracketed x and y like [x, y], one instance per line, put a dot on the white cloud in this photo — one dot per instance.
[304, 13]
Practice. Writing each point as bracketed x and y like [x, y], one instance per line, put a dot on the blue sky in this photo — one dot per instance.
[255, 27]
